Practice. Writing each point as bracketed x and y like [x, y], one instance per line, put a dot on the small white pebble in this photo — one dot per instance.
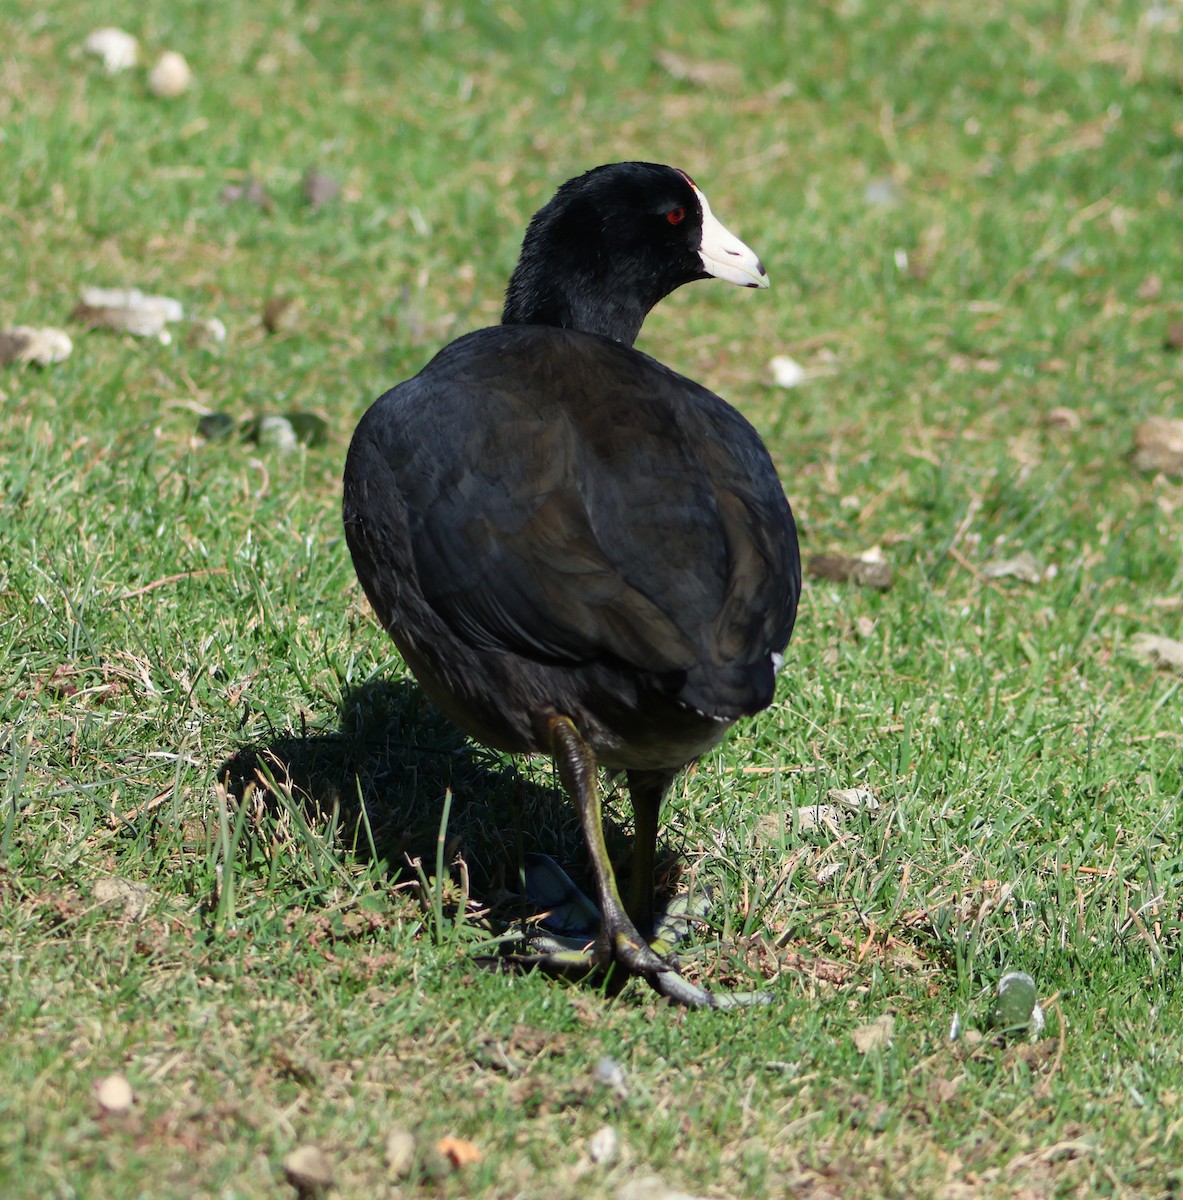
[828, 872]
[165, 307]
[811, 816]
[787, 372]
[1160, 16]
[883, 192]
[855, 798]
[400, 1152]
[277, 433]
[1038, 1023]
[43, 346]
[117, 49]
[308, 1170]
[171, 76]
[603, 1146]
[610, 1073]
[213, 329]
[114, 1095]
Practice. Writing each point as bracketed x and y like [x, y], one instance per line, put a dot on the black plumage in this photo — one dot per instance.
[577, 550]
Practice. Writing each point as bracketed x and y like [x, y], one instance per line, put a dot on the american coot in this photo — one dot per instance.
[578, 551]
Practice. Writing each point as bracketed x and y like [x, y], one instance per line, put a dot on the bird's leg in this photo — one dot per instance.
[647, 789]
[578, 770]
[620, 944]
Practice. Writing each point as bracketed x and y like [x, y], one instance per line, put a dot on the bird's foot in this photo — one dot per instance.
[627, 956]
[640, 958]
[567, 944]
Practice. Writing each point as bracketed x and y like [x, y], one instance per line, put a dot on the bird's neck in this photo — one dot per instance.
[573, 308]
[568, 286]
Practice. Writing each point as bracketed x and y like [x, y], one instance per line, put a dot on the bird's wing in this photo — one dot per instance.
[560, 509]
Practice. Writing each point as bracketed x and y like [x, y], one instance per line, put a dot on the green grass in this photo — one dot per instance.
[194, 696]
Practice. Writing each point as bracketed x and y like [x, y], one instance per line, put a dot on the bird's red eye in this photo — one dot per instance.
[676, 216]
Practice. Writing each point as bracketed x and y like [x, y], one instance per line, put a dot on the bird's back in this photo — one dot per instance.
[571, 501]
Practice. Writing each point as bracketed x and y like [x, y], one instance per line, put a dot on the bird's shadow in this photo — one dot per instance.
[378, 782]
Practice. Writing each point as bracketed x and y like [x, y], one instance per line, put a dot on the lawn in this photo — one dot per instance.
[226, 877]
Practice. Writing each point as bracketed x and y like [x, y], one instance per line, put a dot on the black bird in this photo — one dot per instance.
[578, 551]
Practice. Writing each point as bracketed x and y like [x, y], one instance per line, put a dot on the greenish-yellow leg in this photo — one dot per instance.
[647, 789]
[620, 945]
